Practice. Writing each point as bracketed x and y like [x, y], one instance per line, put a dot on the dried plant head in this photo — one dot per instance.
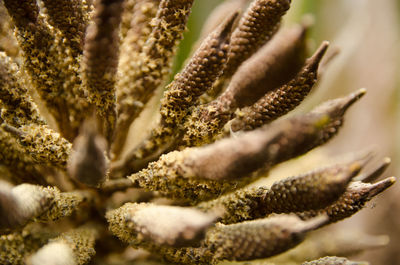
[74, 190]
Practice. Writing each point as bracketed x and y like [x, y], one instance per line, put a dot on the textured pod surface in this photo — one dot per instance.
[281, 100]
[161, 225]
[313, 190]
[90, 156]
[353, 200]
[199, 74]
[258, 239]
[334, 261]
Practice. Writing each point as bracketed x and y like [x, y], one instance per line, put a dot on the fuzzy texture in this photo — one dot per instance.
[72, 183]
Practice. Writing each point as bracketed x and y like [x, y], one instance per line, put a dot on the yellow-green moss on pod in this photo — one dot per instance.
[14, 157]
[28, 203]
[16, 246]
[50, 65]
[199, 74]
[17, 106]
[43, 144]
[74, 247]
[151, 67]
[334, 261]
[160, 225]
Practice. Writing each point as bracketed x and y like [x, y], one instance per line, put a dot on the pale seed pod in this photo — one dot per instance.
[159, 225]
[334, 261]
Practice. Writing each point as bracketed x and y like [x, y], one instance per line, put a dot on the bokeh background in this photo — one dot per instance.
[367, 33]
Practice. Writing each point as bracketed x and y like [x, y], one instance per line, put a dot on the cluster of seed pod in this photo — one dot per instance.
[79, 73]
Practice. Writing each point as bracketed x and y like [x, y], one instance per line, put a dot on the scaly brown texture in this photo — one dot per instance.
[71, 18]
[353, 200]
[43, 144]
[260, 238]
[280, 101]
[271, 67]
[51, 67]
[258, 24]
[312, 190]
[17, 106]
[199, 74]
[151, 66]
[100, 61]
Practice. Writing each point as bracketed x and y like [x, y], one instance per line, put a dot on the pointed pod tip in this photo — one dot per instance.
[380, 186]
[387, 161]
[316, 58]
[353, 97]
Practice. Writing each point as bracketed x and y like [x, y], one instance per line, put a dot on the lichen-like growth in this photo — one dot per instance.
[79, 73]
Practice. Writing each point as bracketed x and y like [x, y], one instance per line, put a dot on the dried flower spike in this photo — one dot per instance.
[313, 190]
[177, 189]
[197, 77]
[260, 238]
[100, 60]
[280, 101]
[160, 225]
[258, 75]
[151, 68]
[74, 247]
[198, 178]
[334, 261]
[353, 200]
[88, 163]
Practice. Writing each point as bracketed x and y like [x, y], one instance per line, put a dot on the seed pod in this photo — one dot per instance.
[151, 66]
[71, 18]
[281, 100]
[198, 177]
[100, 61]
[313, 190]
[197, 77]
[257, 25]
[160, 225]
[26, 203]
[353, 200]
[88, 163]
[43, 144]
[272, 66]
[334, 261]
[75, 247]
[259, 239]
